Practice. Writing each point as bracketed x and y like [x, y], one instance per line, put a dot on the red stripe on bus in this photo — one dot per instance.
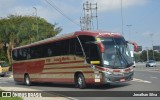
[64, 80]
[65, 72]
[60, 80]
[64, 62]
[116, 70]
[101, 68]
[128, 69]
[68, 67]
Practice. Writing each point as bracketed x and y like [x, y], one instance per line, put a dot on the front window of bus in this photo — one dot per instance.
[116, 53]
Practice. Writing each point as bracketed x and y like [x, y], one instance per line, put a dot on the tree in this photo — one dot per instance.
[143, 55]
[21, 30]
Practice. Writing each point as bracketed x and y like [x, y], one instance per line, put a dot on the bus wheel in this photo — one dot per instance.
[27, 80]
[81, 81]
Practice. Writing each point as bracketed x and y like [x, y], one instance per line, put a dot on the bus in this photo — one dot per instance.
[81, 58]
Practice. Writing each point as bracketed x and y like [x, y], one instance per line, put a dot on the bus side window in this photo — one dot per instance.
[93, 52]
[47, 50]
[65, 47]
[72, 46]
[90, 49]
[20, 57]
[78, 48]
[14, 54]
[35, 52]
[57, 48]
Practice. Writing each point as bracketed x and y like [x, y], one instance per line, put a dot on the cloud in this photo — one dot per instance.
[155, 36]
[41, 11]
[108, 5]
[16, 7]
[146, 34]
[6, 3]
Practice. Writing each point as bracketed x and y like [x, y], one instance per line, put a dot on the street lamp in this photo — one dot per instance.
[122, 14]
[152, 44]
[36, 21]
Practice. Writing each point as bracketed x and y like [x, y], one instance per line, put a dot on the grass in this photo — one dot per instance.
[9, 98]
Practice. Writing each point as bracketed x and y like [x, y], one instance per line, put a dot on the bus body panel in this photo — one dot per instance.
[52, 70]
[62, 69]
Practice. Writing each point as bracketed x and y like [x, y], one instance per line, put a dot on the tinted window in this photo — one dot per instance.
[65, 47]
[14, 54]
[72, 46]
[35, 52]
[58, 48]
[90, 48]
[78, 49]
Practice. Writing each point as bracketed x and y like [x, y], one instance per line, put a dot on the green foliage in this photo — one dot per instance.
[143, 55]
[11, 98]
[136, 57]
[24, 29]
[21, 30]
[3, 56]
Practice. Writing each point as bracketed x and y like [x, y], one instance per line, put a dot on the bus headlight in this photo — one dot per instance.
[108, 73]
[131, 70]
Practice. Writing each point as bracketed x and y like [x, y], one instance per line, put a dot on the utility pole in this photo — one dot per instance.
[122, 15]
[152, 44]
[36, 21]
[147, 54]
[86, 21]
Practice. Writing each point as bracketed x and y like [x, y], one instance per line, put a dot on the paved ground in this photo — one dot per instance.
[145, 79]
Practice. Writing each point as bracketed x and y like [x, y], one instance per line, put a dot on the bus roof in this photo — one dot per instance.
[73, 34]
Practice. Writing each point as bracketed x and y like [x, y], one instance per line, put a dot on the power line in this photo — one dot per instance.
[61, 12]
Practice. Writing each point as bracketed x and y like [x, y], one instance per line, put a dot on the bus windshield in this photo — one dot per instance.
[116, 54]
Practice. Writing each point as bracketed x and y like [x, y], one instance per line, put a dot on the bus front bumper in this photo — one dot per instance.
[117, 78]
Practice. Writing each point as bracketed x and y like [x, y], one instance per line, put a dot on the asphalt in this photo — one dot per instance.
[145, 79]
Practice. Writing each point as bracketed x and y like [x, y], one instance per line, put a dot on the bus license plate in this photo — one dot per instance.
[122, 80]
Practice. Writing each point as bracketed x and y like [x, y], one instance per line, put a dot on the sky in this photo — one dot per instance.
[143, 16]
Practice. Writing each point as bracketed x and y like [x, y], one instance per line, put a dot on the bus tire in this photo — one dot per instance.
[81, 81]
[27, 80]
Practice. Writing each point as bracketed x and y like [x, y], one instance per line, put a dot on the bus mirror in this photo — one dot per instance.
[101, 46]
[135, 47]
[134, 44]
[95, 62]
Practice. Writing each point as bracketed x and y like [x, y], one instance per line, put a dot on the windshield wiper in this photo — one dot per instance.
[116, 57]
[127, 64]
[119, 53]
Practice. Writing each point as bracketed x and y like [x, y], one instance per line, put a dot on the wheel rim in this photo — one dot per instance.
[80, 81]
[27, 80]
